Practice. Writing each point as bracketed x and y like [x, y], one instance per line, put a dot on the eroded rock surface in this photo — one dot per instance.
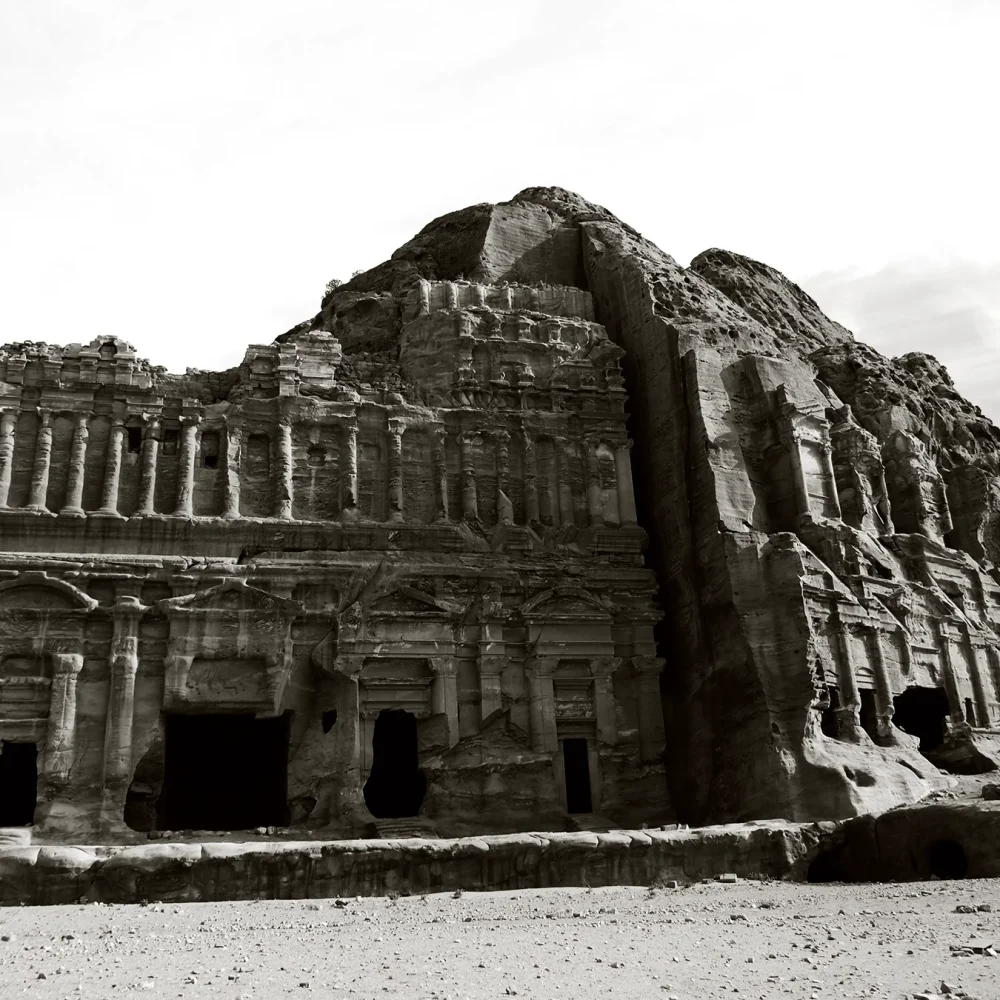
[412, 568]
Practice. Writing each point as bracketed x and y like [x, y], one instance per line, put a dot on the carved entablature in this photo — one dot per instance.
[568, 622]
[919, 498]
[229, 649]
[402, 623]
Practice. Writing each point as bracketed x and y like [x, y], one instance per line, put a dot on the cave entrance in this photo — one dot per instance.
[868, 714]
[395, 785]
[224, 772]
[829, 723]
[921, 712]
[576, 760]
[18, 783]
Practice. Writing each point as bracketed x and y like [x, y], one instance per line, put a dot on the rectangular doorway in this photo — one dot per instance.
[224, 772]
[18, 783]
[576, 759]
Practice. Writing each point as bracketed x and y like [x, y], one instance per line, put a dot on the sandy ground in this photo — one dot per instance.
[755, 939]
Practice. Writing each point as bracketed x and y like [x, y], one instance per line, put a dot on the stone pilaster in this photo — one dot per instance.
[123, 666]
[849, 713]
[43, 461]
[444, 693]
[185, 466]
[440, 472]
[884, 707]
[652, 736]
[541, 705]
[395, 468]
[565, 489]
[76, 472]
[955, 704]
[832, 497]
[231, 484]
[530, 479]
[604, 699]
[60, 737]
[595, 511]
[626, 489]
[491, 666]
[146, 501]
[505, 509]
[793, 443]
[979, 675]
[350, 473]
[283, 486]
[470, 500]
[8, 429]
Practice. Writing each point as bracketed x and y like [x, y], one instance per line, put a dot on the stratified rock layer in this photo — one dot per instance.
[387, 574]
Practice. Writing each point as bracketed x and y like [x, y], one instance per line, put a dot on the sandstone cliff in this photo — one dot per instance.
[822, 520]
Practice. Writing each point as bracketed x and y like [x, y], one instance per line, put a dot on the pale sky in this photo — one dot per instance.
[188, 175]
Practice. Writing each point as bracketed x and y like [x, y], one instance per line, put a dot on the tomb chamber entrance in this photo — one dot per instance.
[224, 772]
[921, 712]
[395, 786]
[18, 783]
[576, 760]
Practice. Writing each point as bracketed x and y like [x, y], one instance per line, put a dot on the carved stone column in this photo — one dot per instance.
[185, 466]
[955, 704]
[350, 472]
[76, 471]
[470, 500]
[395, 471]
[792, 442]
[348, 734]
[8, 428]
[60, 737]
[283, 487]
[231, 484]
[440, 473]
[979, 674]
[505, 509]
[146, 501]
[530, 479]
[832, 497]
[595, 507]
[491, 666]
[604, 699]
[884, 707]
[43, 461]
[112, 471]
[849, 713]
[565, 489]
[626, 490]
[123, 664]
[652, 736]
[444, 693]
[541, 705]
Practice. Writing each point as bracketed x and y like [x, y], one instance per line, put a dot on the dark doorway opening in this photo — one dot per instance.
[577, 763]
[224, 772]
[829, 723]
[18, 783]
[395, 785]
[946, 859]
[921, 712]
[970, 712]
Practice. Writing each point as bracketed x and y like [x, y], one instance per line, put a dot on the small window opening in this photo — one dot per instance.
[134, 439]
[316, 456]
[210, 449]
[329, 718]
[171, 435]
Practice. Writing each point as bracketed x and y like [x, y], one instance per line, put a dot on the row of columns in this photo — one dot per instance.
[559, 494]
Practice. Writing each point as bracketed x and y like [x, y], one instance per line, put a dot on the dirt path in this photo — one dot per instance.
[752, 939]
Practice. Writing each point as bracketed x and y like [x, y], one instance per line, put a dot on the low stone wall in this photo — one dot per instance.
[205, 871]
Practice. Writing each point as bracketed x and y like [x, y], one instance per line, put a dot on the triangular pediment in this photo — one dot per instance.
[564, 602]
[231, 596]
[409, 600]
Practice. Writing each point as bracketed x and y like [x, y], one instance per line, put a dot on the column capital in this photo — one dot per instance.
[66, 664]
[44, 415]
[493, 664]
[649, 664]
[397, 425]
[189, 419]
[444, 666]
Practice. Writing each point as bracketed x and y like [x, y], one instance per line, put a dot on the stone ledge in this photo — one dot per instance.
[199, 872]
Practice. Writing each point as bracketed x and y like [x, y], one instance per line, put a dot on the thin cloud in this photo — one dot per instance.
[950, 309]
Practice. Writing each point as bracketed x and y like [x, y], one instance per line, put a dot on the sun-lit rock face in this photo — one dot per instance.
[413, 566]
